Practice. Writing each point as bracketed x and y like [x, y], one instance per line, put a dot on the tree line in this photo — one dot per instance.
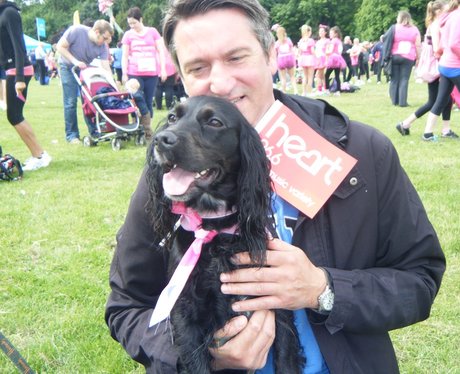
[366, 19]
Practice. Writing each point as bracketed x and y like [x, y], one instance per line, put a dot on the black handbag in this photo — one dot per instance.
[10, 168]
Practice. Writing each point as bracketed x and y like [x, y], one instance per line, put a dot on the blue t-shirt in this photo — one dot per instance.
[285, 217]
[449, 72]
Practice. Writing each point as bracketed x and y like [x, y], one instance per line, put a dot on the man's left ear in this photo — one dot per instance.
[272, 60]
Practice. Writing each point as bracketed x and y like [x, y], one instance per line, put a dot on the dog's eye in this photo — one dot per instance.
[214, 122]
[172, 118]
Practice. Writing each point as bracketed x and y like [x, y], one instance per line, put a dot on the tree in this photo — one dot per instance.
[366, 19]
[374, 17]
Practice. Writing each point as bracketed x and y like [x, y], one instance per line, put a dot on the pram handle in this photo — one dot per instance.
[122, 95]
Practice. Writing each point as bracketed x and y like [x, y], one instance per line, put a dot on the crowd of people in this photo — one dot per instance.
[318, 64]
[443, 40]
[311, 61]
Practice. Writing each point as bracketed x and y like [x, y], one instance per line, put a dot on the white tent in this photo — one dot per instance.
[32, 43]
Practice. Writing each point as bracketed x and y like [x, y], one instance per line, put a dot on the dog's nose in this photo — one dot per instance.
[166, 139]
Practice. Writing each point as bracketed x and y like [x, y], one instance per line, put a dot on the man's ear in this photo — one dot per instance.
[272, 60]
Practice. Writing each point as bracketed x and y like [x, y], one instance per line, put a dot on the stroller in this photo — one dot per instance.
[111, 114]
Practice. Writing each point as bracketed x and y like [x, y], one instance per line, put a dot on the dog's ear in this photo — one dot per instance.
[158, 206]
[254, 194]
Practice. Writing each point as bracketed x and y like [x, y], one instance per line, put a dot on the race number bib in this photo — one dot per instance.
[147, 64]
[403, 48]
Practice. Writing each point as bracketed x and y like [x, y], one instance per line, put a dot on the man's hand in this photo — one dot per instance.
[289, 280]
[249, 343]
[79, 64]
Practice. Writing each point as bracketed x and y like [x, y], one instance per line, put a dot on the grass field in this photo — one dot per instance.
[58, 226]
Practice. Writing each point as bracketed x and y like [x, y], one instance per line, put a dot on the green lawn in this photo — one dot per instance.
[58, 226]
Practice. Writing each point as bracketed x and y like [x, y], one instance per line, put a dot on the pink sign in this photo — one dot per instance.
[306, 168]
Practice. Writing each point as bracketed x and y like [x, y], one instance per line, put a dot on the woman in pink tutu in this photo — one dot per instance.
[306, 59]
[320, 52]
[334, 60]
[285, 59]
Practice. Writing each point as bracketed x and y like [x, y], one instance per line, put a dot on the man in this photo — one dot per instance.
[368, 262]
[79, 46]
[40, 57]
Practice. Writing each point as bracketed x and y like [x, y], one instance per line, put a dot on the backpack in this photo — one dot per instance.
[10, 168]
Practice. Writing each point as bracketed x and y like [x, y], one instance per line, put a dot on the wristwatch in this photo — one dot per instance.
[326, 299]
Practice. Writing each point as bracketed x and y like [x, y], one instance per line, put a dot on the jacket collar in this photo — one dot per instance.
[319, 115]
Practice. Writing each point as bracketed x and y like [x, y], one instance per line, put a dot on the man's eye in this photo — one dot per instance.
[196, 70]
[238, 58]
[172, 118]
[235, 58]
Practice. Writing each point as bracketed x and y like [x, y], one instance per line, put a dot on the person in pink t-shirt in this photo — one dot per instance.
[143, 56]
[320, 52]
[306, 59]
[285, 59]
[405, 52]
[334, 60]
[434, 11]
[449, 68]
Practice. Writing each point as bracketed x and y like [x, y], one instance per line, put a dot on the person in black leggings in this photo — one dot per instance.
[433, 89]
[13, 58]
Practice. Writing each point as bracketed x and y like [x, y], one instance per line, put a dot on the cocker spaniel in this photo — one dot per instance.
[210, 161]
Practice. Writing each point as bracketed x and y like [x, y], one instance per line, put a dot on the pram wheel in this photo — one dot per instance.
[116, 144]
[140, 139]
[88, 142]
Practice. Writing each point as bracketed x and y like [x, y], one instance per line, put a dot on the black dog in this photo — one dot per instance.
[209, 158]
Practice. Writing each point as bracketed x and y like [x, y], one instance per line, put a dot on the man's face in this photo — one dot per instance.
[219, 55]
[103, 37]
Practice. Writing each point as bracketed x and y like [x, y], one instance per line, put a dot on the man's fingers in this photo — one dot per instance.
[231, 328]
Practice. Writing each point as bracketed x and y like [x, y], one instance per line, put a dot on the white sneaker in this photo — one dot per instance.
[2, 105]
[75, 141]
[34, 163]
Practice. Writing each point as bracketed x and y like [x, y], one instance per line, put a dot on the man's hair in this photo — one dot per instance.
[103, 26]
[183, 9]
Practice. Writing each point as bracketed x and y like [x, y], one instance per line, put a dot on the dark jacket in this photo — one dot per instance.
[373, 237]
[388, 44]
[12, 46]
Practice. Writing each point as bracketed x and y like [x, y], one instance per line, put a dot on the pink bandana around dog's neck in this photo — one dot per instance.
[190, 220]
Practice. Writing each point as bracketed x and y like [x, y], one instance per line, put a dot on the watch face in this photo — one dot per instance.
[326, 300]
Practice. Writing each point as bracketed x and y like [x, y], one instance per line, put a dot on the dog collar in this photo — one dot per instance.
[223, 221]
[191, 221]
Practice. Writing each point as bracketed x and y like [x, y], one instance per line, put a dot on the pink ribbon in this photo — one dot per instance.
[191, 221]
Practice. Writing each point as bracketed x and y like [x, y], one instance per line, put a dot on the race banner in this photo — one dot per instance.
[41, 27]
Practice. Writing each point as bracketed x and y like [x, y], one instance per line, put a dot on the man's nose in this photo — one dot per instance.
[221, 80]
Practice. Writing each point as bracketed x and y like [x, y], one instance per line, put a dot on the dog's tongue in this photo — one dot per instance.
[177, 181]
